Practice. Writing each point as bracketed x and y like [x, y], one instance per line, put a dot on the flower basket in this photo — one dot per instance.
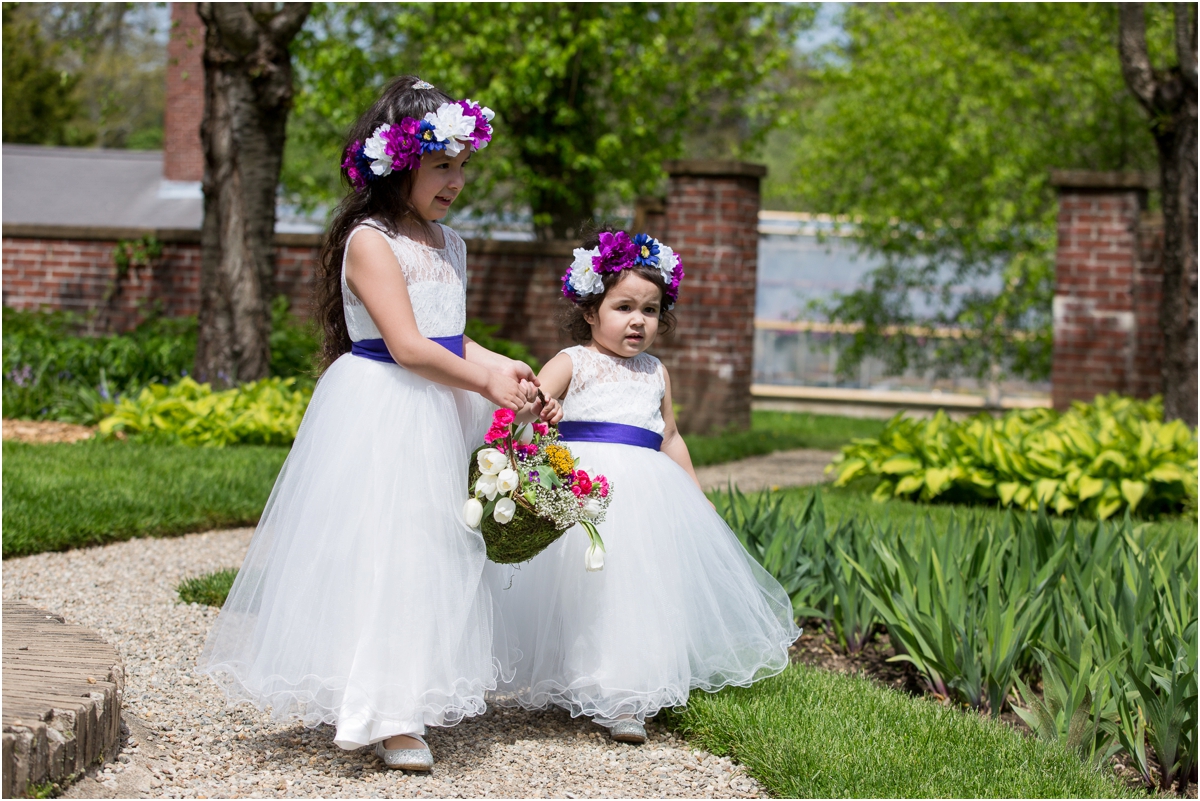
[527, 489]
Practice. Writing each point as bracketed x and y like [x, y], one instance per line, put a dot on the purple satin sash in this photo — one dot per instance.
[618, 433]
[376, 350]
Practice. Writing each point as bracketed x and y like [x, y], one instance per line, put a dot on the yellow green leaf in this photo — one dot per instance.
[1133, 492]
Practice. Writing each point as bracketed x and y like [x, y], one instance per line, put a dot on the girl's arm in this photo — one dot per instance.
[673, 444]
[375, 277]
[554, 379]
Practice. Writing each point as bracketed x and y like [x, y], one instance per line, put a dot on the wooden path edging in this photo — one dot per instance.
[61, 698]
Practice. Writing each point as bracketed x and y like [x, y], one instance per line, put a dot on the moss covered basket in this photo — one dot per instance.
[518, 540]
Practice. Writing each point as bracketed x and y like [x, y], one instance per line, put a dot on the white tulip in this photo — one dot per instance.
[592, 508]
[493, 462]
[486, 485]
[473, 512]
[504, 511]
[594, 558]
[526, 435]
[508, 480]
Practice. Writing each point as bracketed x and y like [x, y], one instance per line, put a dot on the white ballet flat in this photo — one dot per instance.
[406, 758]
[628, 731]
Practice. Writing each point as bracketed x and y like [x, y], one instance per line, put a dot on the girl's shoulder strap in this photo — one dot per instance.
[455, 248]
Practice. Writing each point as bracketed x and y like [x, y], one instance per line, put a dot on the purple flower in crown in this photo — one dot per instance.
[402, 143]
[617, 252]
[676, 278]
[482, 134]
[357, 166]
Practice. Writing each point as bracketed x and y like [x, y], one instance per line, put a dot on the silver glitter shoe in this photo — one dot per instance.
[628, 731]
[406, 758]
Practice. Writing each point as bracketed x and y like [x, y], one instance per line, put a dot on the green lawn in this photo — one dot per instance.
[69, 496]
[811, 733]
[779, 431]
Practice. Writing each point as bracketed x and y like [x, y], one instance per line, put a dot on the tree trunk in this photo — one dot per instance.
[1169, 96]
[247, 96]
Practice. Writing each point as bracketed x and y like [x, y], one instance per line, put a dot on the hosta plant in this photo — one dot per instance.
[265, 412]
[1097, 459]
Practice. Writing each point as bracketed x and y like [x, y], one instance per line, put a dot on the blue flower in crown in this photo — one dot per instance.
[428, 139]
[647, 250]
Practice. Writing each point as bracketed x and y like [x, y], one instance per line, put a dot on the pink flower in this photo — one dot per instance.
[541, 429]
[603, 482]
[495, 433]
[575, 489]
[583, 482]
[503, 417]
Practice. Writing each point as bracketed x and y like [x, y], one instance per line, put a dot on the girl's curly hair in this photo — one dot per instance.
[571, 316]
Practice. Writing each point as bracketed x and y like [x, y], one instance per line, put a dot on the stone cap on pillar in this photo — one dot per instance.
[1103, 181]
[744, 169]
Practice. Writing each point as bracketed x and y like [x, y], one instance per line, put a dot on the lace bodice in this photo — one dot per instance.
[437, 286]
[615, 390]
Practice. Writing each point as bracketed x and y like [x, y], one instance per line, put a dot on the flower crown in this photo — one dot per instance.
[400, 147]
[618, 252]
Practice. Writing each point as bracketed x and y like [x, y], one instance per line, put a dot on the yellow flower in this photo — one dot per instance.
[560, 459]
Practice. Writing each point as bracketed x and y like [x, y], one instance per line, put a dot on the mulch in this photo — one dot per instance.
[819, 648]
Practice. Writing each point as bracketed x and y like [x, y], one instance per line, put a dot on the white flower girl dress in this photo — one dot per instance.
[360, 601]
[679, 603]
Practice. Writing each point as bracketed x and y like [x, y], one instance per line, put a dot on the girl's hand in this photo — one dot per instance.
[520, 371]
[530, 389]
[550, 412]
[504, 391]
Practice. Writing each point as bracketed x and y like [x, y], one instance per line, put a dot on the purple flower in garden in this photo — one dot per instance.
[20, 377]
[647, 250]
[617, 253]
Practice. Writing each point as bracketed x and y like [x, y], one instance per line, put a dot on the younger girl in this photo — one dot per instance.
[678, 604]
[360, 602]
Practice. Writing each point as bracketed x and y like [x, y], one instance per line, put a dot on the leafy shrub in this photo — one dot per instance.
[1098, 459]
[266, 412]
[1105, 613]
[52, 372]
[211, 589]
[485, 336]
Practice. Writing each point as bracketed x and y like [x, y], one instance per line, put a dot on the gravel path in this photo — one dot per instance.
[779, 469]
[181, 741]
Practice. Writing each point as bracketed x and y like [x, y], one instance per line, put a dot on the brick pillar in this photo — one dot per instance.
[712, 222]
[183, 155]
[1107, 288]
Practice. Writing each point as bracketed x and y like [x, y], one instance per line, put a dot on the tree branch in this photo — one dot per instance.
[287, 23]
[1185, 42]
[1135, 61]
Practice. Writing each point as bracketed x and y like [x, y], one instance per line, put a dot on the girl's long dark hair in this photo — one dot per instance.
[383, 200]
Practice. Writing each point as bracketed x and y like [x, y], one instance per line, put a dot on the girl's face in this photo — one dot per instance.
[437, 183]
[627, 320]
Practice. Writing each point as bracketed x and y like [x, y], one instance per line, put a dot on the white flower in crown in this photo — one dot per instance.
[666, 262]
[450, 125]
[375, 149]
[584, 278]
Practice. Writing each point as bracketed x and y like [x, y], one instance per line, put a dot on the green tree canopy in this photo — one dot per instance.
[935, 127]
[590, 97]
[39, 98]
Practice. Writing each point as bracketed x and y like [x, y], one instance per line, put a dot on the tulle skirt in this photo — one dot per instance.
[360, 602]
[679, 604]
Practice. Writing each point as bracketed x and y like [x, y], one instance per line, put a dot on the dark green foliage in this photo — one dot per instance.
[1105, 613]
[52, 371]
[294, 344]
[70, 496]
[779, 431]
[211, 589]
[809, 733]
[485, 336]
[38, 98]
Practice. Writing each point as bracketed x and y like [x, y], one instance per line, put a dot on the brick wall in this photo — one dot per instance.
[1107, 288]
[183, 156]
[710, 218]
[712, 222]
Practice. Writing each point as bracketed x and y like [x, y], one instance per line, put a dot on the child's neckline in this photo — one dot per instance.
[445, 239]
[611, 356]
